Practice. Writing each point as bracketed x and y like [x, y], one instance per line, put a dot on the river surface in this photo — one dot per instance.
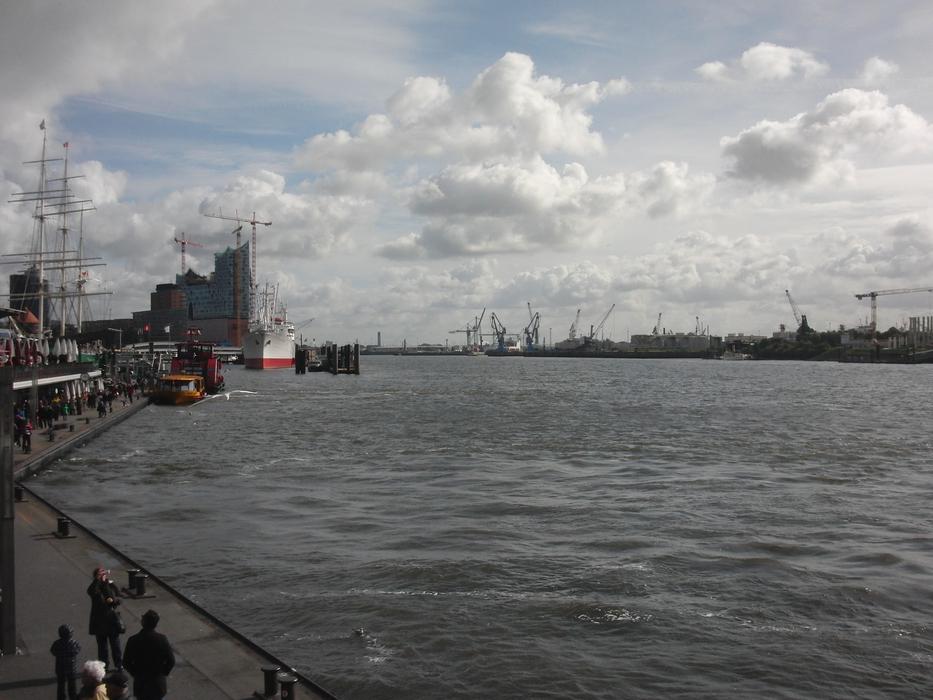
[466, 527]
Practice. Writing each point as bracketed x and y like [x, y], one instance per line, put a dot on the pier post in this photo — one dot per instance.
[287, 681]
[270, 681]
[7, 516]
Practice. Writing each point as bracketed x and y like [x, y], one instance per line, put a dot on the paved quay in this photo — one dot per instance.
[53, 573]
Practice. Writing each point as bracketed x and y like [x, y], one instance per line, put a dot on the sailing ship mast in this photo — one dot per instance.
[53, 202]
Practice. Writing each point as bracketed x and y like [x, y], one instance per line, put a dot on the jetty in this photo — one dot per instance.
[54, 557]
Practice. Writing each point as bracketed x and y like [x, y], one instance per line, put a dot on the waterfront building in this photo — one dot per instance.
[24, 293]
[218, 304]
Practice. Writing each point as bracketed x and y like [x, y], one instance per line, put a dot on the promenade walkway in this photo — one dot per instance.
[53, 573]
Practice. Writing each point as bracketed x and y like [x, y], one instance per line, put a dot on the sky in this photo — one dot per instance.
[423, 161]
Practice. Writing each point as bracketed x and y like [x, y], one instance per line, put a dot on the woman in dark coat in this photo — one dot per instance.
[104, 620]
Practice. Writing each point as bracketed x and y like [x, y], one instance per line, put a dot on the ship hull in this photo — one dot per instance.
[268, 350]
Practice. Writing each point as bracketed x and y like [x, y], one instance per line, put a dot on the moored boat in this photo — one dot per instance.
[197, 357]
[270, 343]
[178, 389]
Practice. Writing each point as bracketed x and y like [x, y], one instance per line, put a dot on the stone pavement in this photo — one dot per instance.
[52, 576]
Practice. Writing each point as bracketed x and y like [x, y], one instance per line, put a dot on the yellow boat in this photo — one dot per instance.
[178, 389]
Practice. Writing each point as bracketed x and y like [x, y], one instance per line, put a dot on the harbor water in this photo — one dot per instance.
[464, 527]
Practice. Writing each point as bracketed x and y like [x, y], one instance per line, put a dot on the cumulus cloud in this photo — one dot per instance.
[877, 70]
[508, 110]
[305, 225]
[514, 207]
[819, 144]
[765, 62]
[903, 252]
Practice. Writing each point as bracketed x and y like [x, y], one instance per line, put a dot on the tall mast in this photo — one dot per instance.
[64, 230]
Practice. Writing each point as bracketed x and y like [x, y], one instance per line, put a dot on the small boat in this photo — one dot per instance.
[178, 389]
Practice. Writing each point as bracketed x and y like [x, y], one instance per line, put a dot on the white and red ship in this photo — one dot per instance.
[270, 342]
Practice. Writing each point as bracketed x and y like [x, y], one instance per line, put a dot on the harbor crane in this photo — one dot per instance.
[498, 330]
[531, 330]
[184, 243]
[657, 327]
[599, 327]
[884, 292]
[573, 326]
[474, 336]
[801, 318]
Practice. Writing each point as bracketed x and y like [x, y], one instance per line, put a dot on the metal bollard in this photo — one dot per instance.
[287, 685]
[71, 428]
[87, 421]
[141, 584]
[270, 685]
[131, 582]
[64, 527]
[18, 492]
[51, 434]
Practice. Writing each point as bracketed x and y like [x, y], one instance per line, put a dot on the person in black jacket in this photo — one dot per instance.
[149, 659]
[105, 622]
[65, 650]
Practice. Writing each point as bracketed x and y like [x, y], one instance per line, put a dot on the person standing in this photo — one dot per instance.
[65, 650]
[149, 659]
[105, 622]
[26, 437]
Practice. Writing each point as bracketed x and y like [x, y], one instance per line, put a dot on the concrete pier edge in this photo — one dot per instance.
[31, 466]
[268, 656]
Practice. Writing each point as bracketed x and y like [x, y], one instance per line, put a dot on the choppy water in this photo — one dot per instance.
[519, 528]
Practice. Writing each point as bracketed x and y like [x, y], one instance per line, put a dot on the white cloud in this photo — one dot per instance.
[508, 110]
[765, 62]
[516, 207]
[819, 144]
[877, 70]
[713, 70]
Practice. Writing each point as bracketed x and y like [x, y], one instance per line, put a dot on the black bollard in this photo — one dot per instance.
[51, 434]
[270, 685]
[71, 428]
[18, 492]
[131, 582]
[141, 584]
[64, 527]
[287, 685]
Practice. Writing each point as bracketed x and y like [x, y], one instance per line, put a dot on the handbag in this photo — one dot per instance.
[116, 621]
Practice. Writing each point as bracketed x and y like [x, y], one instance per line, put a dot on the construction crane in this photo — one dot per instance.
[531, 330]
[801, 318]
[884, 292]
[498, 330]
[573, 326]
[657, 327]
[474, 336]
[599, 327]
[184, 243]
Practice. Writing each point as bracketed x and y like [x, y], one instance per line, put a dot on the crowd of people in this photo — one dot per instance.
[56, 406]
[147, 655]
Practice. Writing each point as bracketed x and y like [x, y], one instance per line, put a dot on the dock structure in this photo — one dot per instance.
[343, 359]
[45, 570]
